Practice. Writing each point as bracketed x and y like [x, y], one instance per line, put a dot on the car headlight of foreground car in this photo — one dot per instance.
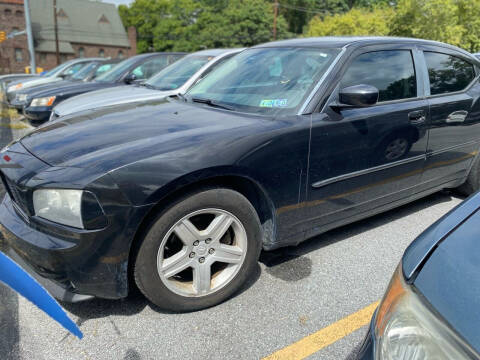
[75, 208]
[405, 328]
[45, 101]
[61, 206]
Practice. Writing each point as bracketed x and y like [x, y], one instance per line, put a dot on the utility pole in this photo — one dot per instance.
[57, 52]
[28, 25]
[275, 14]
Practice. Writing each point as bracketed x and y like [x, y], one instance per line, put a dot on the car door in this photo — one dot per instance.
[363, 159]
[453, 125]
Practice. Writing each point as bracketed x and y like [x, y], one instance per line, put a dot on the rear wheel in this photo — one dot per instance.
[472, 183]
[200, 251]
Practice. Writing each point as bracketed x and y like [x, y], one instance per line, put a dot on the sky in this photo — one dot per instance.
[118, 2]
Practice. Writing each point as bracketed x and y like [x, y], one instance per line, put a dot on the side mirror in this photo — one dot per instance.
[358, 96]
[130, 78]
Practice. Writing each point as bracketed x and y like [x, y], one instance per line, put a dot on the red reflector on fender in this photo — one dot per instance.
[7, 158]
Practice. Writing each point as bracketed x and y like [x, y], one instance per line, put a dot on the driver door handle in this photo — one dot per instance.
[417, 117]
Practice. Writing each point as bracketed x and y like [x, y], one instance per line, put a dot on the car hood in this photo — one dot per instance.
[450, 279]
[106, 97]
[28, 83]
[110, 137]
[43, 87]
[68, 88]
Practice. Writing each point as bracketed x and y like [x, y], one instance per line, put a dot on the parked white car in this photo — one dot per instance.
[174, 79]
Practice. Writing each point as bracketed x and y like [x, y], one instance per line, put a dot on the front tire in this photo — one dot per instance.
[199, 251]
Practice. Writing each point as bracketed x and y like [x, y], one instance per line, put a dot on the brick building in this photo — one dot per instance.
[86, 28]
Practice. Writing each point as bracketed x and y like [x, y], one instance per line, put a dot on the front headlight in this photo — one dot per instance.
[21, 97]
[405, 328]
[45, 101]
[14, 87]
[60, 206]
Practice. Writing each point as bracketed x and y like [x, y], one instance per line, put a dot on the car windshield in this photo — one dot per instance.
[117, 71]
[265, 80]
[58, 69]
[175, 75]
[85, 71]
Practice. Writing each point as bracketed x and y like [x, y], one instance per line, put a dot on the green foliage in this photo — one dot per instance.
[452, 21]
[189, 25]
[358, 21]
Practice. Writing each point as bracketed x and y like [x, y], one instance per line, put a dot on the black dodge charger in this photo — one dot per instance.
[282, 142]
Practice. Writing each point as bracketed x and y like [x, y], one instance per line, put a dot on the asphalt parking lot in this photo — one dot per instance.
[295, 293]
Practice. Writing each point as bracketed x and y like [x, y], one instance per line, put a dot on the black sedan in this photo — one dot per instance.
[431, 307]
[282, 142]
[38, 102]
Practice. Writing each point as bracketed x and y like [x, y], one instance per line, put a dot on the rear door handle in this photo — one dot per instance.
[417, 117]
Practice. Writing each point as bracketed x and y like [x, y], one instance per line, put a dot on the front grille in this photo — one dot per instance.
[17, 194]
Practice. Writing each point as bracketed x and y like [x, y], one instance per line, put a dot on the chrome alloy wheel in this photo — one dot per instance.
[202, 252]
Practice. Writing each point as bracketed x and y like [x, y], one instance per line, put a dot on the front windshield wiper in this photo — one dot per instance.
[213, 103]
[148, 86]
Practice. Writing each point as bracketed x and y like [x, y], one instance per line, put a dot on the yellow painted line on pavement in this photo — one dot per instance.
[326, 336]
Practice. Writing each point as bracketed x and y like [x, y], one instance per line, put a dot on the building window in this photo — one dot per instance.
[18, 55]
[120, 54]
[63, 58]
[101, 53]
[103, 19]
[62, 14]
[7, 12]
[81, 52]
[19, 13]
[43, 57]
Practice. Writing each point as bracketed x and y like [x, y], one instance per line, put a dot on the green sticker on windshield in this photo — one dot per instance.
[274, 103]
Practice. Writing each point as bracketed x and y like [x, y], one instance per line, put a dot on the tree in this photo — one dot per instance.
[358, 21]
[144, 15]
[428, 19]
[244, 23]
[189, 25]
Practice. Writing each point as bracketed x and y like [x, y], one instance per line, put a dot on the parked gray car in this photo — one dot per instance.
[174, 79]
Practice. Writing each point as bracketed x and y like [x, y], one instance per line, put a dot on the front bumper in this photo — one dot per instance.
[19, 105]
[74, 265]
[38, 113]
[366, 351]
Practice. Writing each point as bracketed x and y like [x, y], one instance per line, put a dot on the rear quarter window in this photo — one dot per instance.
[448, 73]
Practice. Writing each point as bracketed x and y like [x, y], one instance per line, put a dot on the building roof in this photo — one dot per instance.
[79, 21]
[17, 2]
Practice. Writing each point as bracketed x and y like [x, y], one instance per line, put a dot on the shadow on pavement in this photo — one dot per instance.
[291, 264]
[133, 304]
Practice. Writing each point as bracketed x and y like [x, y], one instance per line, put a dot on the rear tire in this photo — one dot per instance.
[199, 251]
[472, 184]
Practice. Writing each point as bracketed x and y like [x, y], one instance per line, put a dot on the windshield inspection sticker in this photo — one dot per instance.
[274, 103]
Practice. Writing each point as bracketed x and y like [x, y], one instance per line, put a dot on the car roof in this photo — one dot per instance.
[217, 52]
[344, 41]
[139, 56]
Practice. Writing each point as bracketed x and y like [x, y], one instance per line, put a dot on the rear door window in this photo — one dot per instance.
[448, 73]
[391, 71]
